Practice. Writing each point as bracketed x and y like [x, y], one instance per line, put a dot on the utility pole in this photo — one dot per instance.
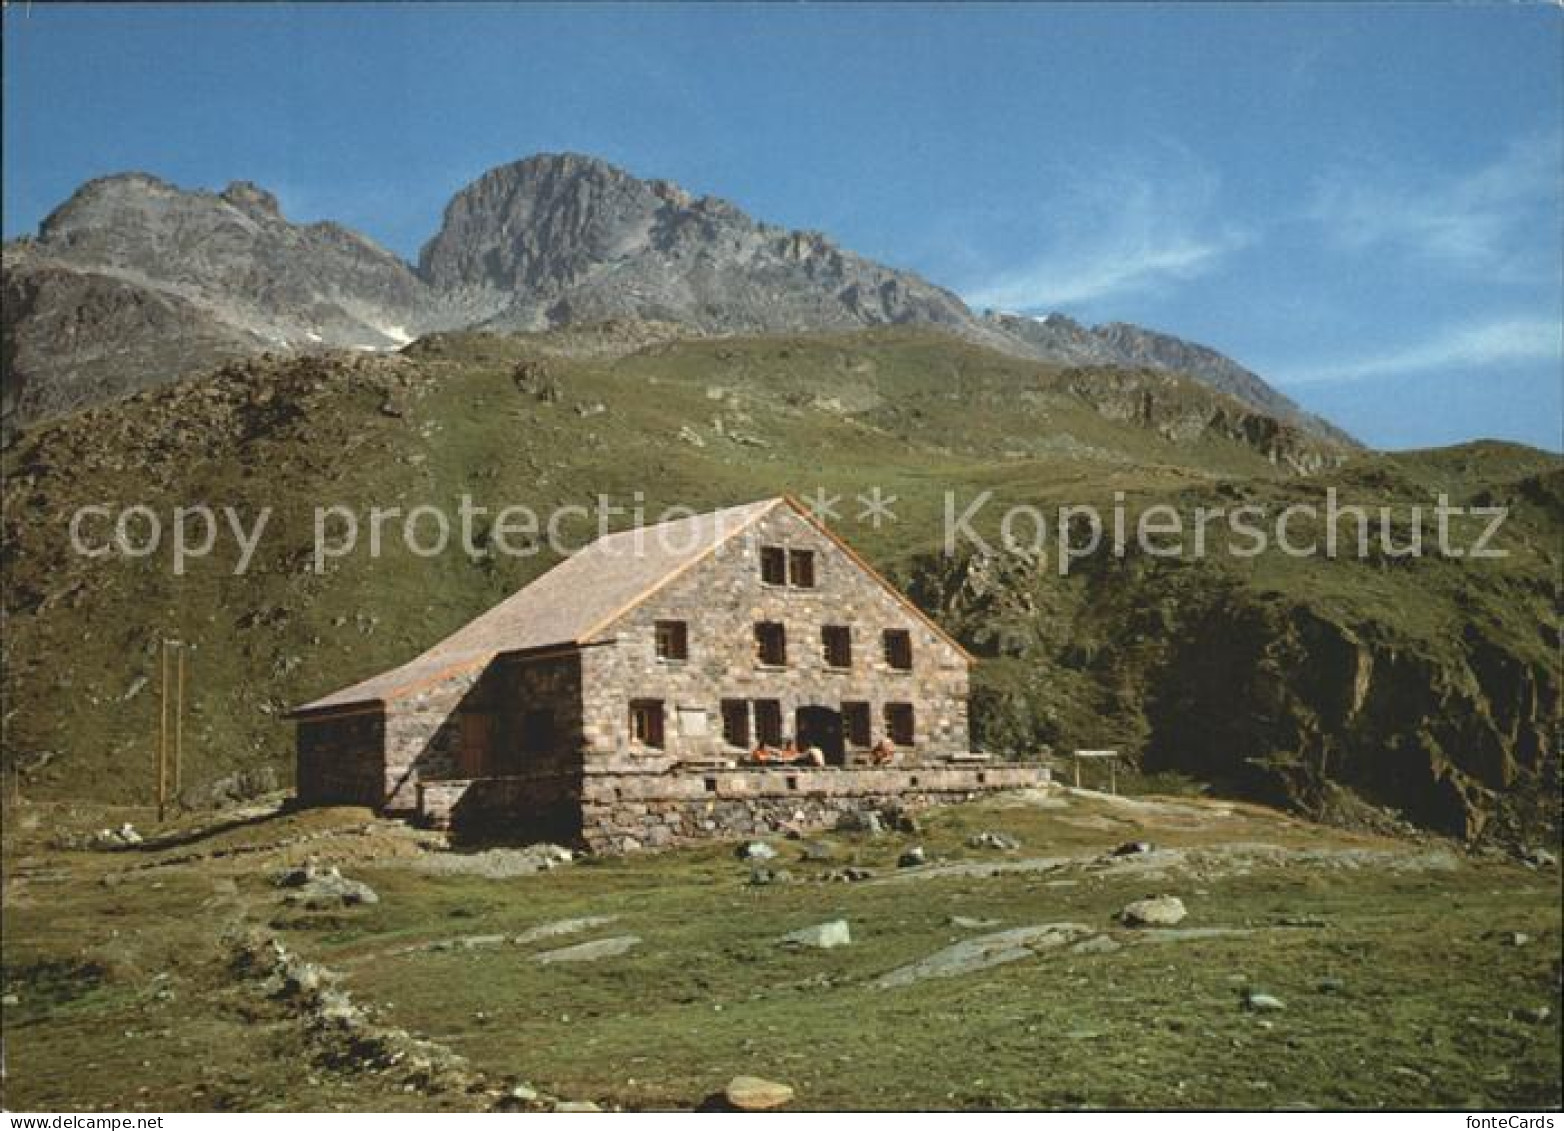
[179, 724]
[162, 732]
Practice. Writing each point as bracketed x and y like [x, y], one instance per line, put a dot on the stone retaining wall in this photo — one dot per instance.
[615, 812]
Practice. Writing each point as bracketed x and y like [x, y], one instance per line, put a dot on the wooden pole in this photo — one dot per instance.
[162, 731]
[179, 723]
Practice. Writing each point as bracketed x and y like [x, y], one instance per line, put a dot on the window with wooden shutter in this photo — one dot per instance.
[646, 722]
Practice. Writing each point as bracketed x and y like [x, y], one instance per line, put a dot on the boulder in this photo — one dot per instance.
[751, 1093]
[589, 951]
[1154, 911]
[323, 889]
[756, 850]
[1262, 1003]
[913, 858]
[1134, 848]
[111, 840]
[861, 821]
[562, 927]
[1002, 842]
[967, 923]
[822, 936]
[1539, 858]
[984, 951]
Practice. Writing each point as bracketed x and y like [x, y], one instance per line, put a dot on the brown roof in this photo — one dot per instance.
[580, 597]
[567, 605]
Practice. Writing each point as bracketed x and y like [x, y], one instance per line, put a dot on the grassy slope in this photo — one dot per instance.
[1399, 990]
[912, 412]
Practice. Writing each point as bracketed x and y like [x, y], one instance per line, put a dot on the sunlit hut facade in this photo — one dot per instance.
[725, 674]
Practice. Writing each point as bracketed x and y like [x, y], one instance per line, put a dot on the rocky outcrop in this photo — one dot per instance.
[1061, 339]
[1162, 403]
[1292, 705]
[1370, 693]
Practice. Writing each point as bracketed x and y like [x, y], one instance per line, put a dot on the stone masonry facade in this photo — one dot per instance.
[721, 600]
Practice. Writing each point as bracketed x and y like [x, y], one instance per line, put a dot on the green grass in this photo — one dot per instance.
[1398, 994]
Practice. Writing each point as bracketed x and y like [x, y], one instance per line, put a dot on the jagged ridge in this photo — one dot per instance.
[171, 282]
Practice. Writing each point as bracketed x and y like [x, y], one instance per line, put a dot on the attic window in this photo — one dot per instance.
[773, 565]
[898, 649]
[836, 645]
[771, 643]
[801, 568]
[673, 640]
[646, 722]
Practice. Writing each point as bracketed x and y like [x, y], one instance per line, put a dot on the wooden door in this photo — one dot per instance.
[475, 758]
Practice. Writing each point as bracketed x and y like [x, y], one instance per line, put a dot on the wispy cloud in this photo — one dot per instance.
[1117, 234]
[1481, 345]
[1483, 221]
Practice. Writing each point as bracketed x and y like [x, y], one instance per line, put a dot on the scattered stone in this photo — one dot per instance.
[1514, 938]
[524, 1093]
[562, 927]
[822, 936]
[563, 1106]
[1001, 842]
[1301, 921]
[1330, 985]
[1539, 858]
[967, 923]
[1534, 1015]
[900, 819]
[496, 863]
[1262, 1003]
[848, 875]
[1097, 944]
[10, 999]
[861, 821]
[756, 850]
[1134, 848]
[751, 1093]
[322, 889]
[818, 851]
[589, 951]
[914, 857]
[112, 840]
[466, 942]
[764, 877]
[231, 789]
[985, 951]
[1154, 911]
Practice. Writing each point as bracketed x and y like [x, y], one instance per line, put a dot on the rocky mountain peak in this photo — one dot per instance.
[552, 240]
[250, 198]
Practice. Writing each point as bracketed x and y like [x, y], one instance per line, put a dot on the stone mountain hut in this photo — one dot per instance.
[730, 673]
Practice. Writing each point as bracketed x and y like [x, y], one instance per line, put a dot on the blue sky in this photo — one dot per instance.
[1362, 203]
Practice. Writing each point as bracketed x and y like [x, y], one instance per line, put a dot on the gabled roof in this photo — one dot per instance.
[582, 596]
